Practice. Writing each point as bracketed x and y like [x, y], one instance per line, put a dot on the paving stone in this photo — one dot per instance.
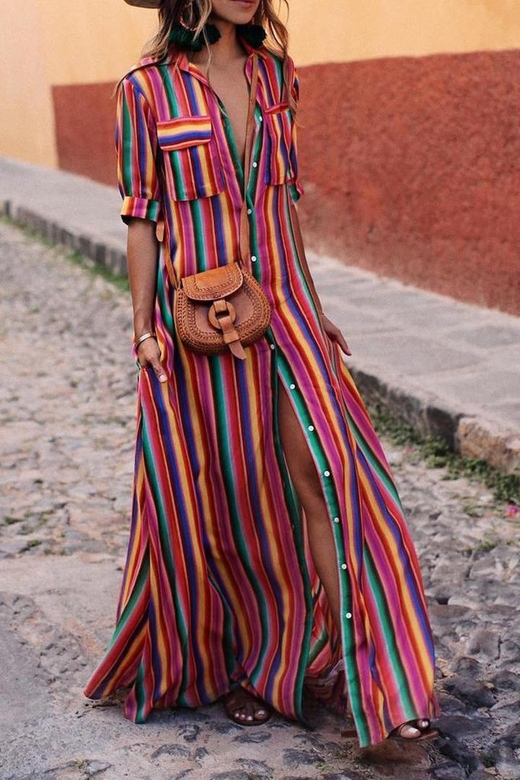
[178, 751]
[481, 774]
[253, 738]
[350, 775]
[449, 771]
[295, 758]
[463, 726]
[459, 752]
[257, 769]
[506, 761]
[470, 691]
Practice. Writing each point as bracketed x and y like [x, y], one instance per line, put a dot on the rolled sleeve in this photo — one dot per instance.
[136, 145]
[142, 208]
[295, 185]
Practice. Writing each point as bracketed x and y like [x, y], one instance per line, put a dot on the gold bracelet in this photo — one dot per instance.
[143, 338]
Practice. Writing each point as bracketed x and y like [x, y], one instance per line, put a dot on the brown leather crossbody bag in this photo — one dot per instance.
[225, 309]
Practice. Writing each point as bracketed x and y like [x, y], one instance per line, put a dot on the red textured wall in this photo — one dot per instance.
[84, 119]
[411, 166]
[412, 170]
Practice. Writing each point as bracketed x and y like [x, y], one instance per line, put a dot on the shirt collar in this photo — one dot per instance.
[183, 63]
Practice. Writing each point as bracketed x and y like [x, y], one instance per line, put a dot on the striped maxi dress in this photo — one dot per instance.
[219, 587]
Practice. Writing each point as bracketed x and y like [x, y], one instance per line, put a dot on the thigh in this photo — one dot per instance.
[302, 468]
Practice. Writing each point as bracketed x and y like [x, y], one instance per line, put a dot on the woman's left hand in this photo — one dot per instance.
[334, 334]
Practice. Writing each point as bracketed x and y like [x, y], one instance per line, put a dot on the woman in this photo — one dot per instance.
[268, 547]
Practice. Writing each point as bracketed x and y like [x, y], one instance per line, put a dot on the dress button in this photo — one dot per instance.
[343, 566]
[253, 258]
[292, 387]
[348, 615]
[255, 165]
[272, 346]
[310, 428]
[326, 473]
[336, 519]
[250, 211]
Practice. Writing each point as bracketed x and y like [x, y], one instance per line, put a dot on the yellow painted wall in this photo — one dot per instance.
[26, 128]
[346, 30]
[50, 42]
[93, 40]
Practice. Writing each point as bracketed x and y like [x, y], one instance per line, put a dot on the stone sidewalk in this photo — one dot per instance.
[448, 368]
[67, 407]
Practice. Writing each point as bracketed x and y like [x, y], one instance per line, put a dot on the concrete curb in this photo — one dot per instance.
[110, 257]
[465, 434]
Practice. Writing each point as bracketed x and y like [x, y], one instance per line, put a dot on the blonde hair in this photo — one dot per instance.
[194, 14]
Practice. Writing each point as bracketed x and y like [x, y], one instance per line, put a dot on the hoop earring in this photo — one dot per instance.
[187, 16]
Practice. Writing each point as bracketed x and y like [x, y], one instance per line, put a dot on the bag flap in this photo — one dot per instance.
[214, 284]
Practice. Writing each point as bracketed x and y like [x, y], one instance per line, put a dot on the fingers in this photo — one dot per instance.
[334, 333]
[158, 370]
[149, 355]
[343, 344]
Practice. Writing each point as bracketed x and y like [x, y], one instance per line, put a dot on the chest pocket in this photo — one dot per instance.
[278, 128]
[192, 163]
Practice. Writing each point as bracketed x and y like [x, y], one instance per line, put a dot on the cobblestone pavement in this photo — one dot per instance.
[67, 418]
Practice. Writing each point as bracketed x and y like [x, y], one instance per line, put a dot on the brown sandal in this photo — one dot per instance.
[237, 703]
[422, 727]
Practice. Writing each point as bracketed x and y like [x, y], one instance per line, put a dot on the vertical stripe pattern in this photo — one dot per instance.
[219, 586]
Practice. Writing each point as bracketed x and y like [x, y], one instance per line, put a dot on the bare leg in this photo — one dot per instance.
[310, 494]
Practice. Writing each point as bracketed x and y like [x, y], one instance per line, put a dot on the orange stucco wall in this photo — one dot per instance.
[412, 167]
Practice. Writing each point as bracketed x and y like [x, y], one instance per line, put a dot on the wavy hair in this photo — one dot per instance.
[194, 14]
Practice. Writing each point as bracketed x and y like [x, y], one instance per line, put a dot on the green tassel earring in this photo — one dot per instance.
[184, 38]
[253, 34]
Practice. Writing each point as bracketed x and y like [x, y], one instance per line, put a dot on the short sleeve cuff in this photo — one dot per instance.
[296, 189]
[140, 208]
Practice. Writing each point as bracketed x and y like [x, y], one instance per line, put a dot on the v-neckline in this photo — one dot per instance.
[238, 164]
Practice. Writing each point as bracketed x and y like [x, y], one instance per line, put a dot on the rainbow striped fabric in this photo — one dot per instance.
[219, 587]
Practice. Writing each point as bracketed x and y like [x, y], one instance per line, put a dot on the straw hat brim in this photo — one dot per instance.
[145, 3]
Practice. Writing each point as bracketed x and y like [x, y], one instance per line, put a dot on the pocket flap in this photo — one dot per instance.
[214, 284]
[184, 131]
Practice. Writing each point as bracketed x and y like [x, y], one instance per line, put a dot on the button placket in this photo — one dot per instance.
[333, 508]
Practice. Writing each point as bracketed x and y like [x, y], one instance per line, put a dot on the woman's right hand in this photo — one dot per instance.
[149, 356]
